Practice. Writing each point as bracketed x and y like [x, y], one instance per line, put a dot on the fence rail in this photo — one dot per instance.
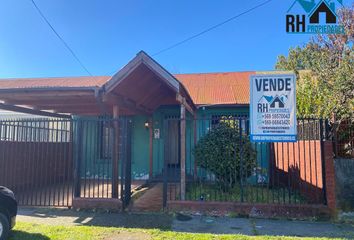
[223, 165]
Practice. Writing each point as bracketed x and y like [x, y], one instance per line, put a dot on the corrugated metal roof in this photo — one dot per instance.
[217, 88]
[53, 82]
[204, 88]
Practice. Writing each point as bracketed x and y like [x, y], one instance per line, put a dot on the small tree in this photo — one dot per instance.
[329, 87]
[220, 152]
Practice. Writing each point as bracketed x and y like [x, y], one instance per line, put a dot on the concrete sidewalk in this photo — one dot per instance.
[251, 226]
[183, 223]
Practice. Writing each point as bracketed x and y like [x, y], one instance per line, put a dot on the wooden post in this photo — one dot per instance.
[195, 143]
[115, 158]
[183, 152]
[151, 148]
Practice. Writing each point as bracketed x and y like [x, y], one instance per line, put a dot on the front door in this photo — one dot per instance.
[172, 157]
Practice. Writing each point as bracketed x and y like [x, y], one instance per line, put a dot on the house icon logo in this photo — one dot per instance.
[277, 103]
[323, 7]
[266, 103]
[319, 18]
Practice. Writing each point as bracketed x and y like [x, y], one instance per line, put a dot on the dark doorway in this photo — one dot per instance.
[172, 153]
[171, 170]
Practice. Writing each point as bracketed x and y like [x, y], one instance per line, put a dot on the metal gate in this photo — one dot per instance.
[36, 160]
[48, 162]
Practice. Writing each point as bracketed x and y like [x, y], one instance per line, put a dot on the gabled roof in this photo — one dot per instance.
[146, 60]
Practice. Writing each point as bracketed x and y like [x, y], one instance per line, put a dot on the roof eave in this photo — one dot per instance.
[222, 105]
[43, 89]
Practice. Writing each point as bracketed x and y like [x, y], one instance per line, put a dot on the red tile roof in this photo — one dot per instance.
[217, 88]
[204, 88]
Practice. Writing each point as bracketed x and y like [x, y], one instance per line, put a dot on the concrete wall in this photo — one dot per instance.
[344, 169]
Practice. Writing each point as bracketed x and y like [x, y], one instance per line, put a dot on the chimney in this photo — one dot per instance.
[332, 7]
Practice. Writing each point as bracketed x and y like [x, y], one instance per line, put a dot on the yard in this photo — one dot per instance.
[249, 193]
[32, 231]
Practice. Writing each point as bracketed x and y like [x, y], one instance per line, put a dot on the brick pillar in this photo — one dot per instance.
[330, 176]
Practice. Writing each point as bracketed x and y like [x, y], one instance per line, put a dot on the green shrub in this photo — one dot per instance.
[220, 151]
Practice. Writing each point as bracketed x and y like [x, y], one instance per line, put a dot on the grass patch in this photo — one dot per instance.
[29, 231]
[250, 193]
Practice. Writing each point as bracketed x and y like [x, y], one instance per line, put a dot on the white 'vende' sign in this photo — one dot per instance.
[273, 108]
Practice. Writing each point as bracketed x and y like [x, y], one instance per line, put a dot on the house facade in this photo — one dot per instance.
[103, 136]
[145, 94]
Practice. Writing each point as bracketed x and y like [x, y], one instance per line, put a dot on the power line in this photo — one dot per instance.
[211, 28]
[60, 38]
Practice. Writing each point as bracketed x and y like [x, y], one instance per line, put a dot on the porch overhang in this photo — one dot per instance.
[140, 87]
[143, 85]
[51, 100]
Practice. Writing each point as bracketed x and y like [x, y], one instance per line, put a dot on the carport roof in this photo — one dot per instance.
[53, 82]
[138, 88]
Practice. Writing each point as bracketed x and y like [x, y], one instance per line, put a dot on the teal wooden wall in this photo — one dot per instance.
[202, 127]
[92, 166]
[140, 142]
[140, 148]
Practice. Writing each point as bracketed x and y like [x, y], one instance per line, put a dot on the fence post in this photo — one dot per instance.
[164, 169]
[328, 170]
[183, 152]
[128, 163]
[241, 159]
[322, 138]
[115, 170]
[151, 138]
[78, 157]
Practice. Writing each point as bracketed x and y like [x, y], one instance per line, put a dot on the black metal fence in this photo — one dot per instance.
[36, 160]
[48, 162]
[223, 165]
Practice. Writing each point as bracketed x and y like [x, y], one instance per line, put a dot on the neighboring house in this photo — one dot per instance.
[144, 92]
